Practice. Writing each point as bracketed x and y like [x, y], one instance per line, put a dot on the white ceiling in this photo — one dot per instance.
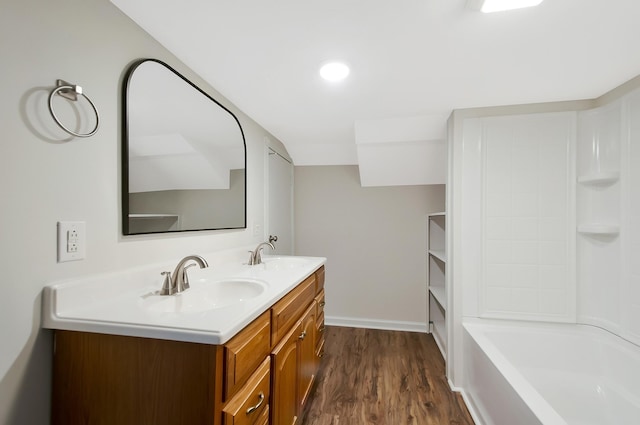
[409, 59]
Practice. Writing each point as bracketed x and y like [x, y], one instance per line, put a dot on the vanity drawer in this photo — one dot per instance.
[245, 351]
[319, 279]
[286, 312]
[251, 404]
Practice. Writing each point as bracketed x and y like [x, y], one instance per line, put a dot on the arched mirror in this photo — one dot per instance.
[183, 156]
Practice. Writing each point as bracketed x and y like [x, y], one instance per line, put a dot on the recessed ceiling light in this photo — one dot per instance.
[488, 6]
[334, 71]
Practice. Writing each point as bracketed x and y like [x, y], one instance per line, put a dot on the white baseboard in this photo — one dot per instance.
[471, 406]
[390, 325]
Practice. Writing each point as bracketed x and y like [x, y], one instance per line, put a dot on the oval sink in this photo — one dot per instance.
[283, 263]
[205, 295]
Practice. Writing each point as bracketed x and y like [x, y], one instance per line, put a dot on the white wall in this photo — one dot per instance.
[46, 176]
[374, 241]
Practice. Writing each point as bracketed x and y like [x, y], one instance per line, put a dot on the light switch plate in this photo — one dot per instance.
[71, 240]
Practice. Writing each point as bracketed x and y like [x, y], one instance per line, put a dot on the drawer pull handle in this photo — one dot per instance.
[322, 303]
[321, 354]
[321, 329]
[302, 335]
[257, 406]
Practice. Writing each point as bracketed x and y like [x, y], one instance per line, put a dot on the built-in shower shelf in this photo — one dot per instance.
[599, 178]
[599, 229]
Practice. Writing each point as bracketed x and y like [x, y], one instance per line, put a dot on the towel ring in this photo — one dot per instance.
[71, 92]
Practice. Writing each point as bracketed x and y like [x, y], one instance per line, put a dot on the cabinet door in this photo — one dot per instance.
[307, 353]
[284, 358]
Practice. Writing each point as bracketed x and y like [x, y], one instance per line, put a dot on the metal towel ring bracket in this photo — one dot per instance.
[71, 92]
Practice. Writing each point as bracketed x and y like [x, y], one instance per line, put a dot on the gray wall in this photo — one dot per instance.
[374, 241]
[46, 176]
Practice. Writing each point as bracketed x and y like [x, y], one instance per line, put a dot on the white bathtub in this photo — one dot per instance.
[520, 373]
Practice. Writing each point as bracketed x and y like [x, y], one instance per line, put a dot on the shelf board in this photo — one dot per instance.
[437, 214]
[440, 295]
[599, 229]
[439, 254]
[153, 216]
[439, 334]
[599, 178]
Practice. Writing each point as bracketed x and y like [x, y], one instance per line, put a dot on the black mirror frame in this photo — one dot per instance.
[125, 151]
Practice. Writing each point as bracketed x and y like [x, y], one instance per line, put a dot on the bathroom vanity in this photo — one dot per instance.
[253, 361]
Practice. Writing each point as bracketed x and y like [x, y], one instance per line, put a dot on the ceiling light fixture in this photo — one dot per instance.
[334, 71]
[488, 6]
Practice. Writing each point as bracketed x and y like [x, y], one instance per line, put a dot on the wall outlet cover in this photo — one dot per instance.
[71, 240]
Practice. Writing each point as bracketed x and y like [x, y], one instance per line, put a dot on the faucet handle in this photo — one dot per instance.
[167, 287]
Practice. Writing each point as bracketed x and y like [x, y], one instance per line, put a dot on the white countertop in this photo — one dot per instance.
[114, 303]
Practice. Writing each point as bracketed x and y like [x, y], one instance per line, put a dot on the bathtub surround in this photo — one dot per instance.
[548, 195]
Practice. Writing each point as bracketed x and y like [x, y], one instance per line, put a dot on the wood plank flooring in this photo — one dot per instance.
[383, 378]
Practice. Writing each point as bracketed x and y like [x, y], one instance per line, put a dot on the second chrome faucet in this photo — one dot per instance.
[256, 254]
[179, 281]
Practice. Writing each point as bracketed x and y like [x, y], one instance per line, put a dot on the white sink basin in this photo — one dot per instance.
[204, 295]
[284, 263]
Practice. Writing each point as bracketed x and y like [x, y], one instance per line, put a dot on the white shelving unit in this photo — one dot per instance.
[436, 282]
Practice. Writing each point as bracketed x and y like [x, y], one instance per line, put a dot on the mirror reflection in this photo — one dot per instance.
[184, 158]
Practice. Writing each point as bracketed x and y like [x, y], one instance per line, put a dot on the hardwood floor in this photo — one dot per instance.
[383, 378]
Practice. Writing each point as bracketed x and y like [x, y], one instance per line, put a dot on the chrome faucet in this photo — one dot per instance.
[256, 256]
[180, 280]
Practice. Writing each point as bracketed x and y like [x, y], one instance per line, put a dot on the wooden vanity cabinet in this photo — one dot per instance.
[263, 375]
[101, 379]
